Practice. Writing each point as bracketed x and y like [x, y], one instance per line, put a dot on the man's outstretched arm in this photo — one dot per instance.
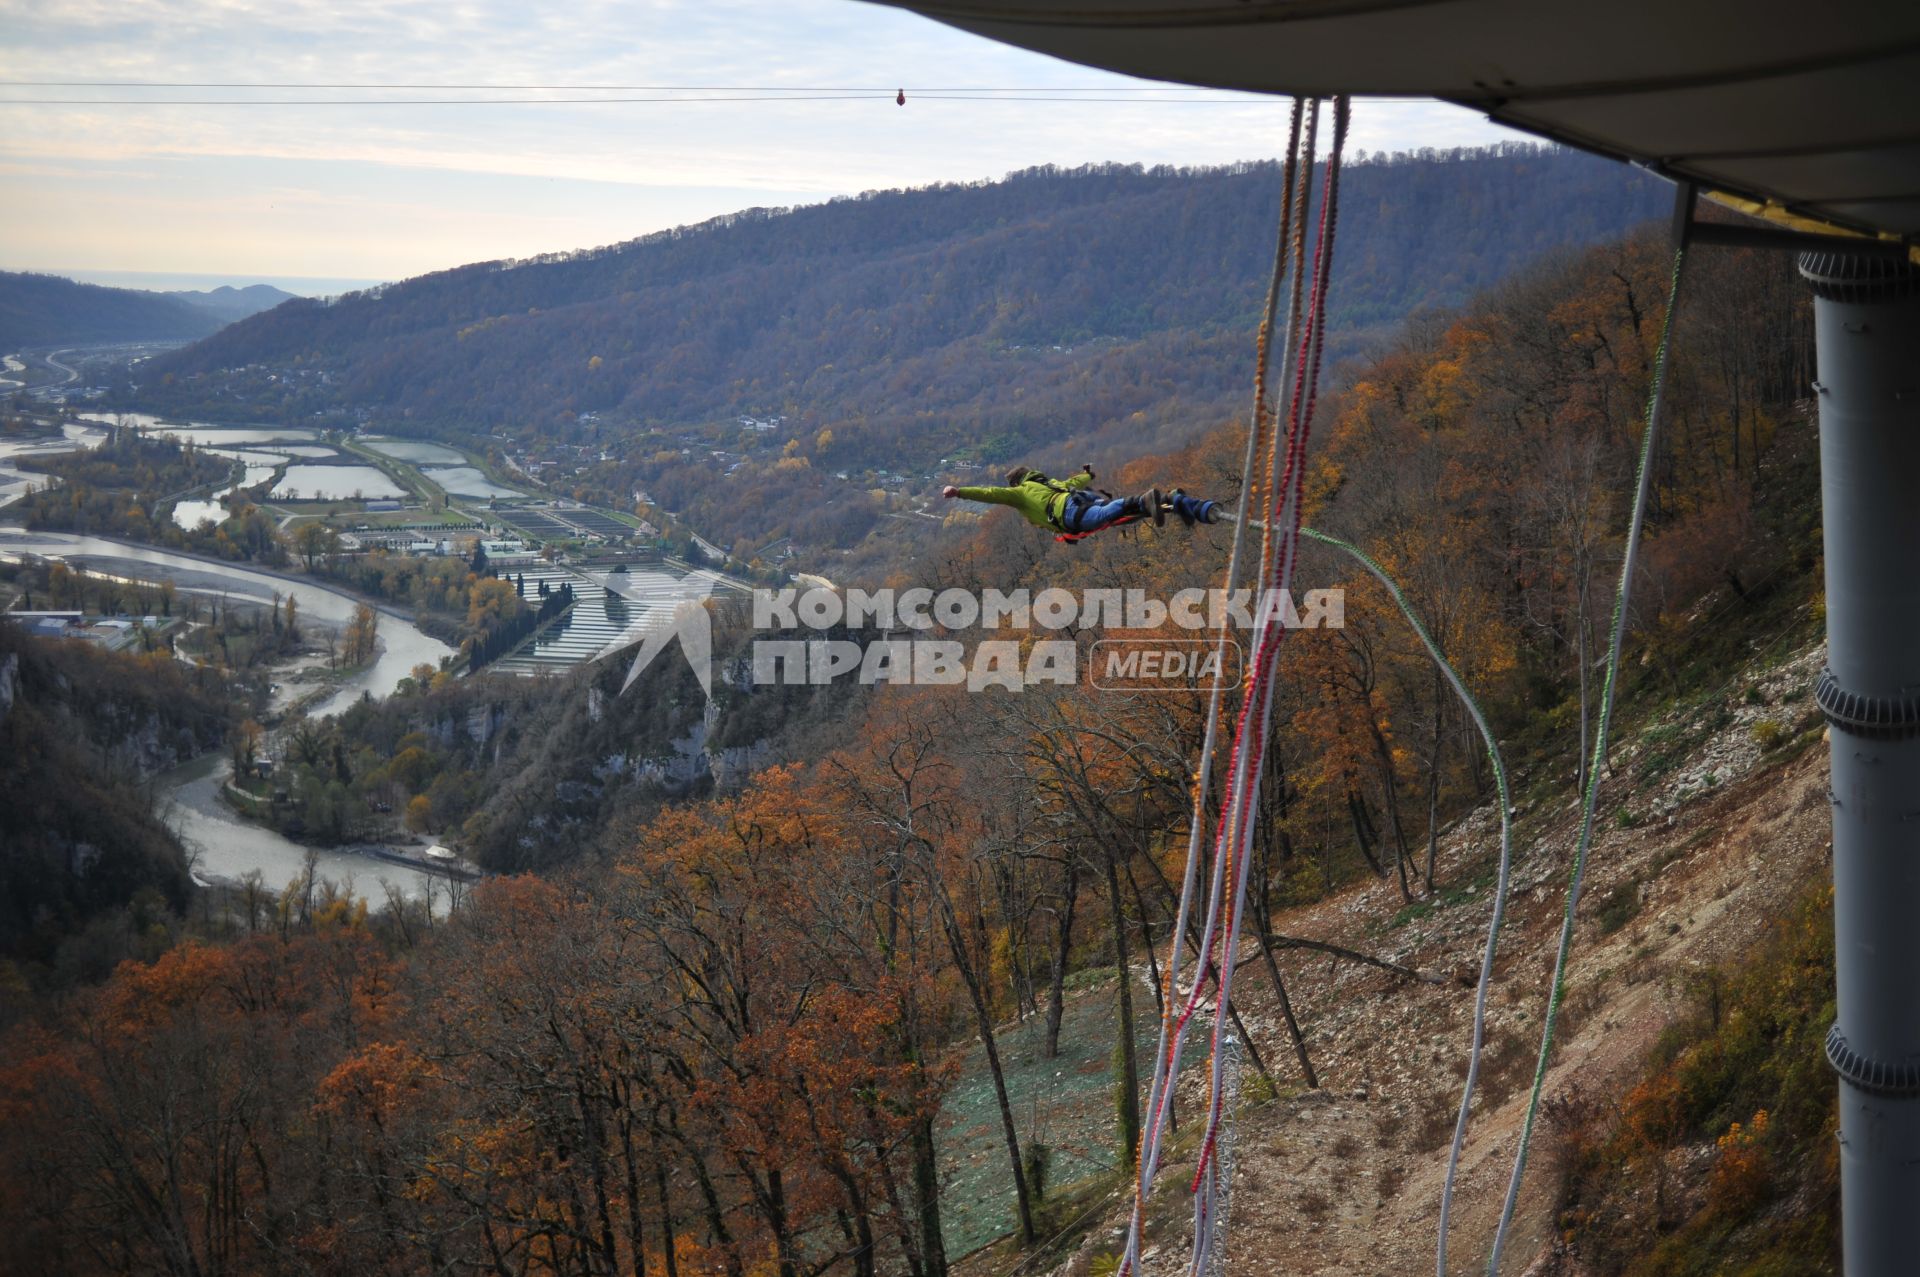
[992, 496]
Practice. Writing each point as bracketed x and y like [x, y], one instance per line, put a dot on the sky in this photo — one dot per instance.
[321, 189]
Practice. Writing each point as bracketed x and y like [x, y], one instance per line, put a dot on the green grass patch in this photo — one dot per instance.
[1413, 913]
[1065, 1103]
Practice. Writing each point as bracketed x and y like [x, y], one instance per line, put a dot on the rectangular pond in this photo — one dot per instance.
[334, 483]
[419, 453]
[467, 481]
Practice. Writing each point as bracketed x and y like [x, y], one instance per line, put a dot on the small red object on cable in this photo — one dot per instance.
[900, 99]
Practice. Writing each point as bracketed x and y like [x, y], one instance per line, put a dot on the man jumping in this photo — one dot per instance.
[1071, 510]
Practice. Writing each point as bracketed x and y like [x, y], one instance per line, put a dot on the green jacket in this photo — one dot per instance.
[1037, 500]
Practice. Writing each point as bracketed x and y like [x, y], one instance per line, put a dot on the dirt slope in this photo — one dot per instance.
[1346, 1181]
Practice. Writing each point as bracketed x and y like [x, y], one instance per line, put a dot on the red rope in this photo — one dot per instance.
[1290, 508]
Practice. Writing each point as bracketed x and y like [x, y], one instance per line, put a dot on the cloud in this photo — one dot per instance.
[665, 161]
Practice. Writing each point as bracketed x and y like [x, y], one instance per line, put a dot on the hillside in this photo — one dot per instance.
[989, 314]
[80, 730]
[46, 310]
[1689, 921]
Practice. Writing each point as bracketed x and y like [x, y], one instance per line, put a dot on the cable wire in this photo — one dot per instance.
[803, 96]
[592, 88]
[1622, 595]
[1500, 886]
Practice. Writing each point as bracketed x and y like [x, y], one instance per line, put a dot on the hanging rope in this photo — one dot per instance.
[1622, 593]
[1622, 596]
[1500, 886]
[1256, 708]
[1167, 1053]
[1279, 550]
[1478, 715]
[1227, 885]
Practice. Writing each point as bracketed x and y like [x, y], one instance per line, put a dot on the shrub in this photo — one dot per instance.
[1037, 1158]
[1740, 1179]
[1741, 1073]
[1618, 907]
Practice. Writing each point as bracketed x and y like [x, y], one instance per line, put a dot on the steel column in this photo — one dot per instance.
[1867, 332]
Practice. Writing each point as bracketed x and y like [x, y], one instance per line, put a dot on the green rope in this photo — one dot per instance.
[1622, 593]
[1500, 887]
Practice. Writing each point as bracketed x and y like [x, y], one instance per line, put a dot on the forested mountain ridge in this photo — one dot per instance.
[1014, 307]
[45, 310]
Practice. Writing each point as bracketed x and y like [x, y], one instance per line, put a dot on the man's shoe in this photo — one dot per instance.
[1140, 506]
[1153, 506]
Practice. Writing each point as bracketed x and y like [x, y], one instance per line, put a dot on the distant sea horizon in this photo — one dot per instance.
[167, 281]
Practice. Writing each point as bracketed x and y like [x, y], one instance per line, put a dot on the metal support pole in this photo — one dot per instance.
[1867, 331]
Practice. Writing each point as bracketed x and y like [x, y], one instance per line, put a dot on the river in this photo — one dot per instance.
[14, 482]
[226, 848]
[401, 645]
[228, 845]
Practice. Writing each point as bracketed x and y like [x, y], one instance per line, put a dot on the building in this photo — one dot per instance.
[52, 626]
[509, 552]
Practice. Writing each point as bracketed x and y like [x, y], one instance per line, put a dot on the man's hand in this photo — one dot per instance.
[949, 492]
[1089, 470]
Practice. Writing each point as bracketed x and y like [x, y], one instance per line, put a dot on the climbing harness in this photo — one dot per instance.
[1072, 538]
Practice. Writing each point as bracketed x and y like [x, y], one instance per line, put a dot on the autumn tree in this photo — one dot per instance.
[313, 540]
[362, 632]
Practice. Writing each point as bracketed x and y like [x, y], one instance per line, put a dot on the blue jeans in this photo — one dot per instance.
[1086, 512]
[1192, 510]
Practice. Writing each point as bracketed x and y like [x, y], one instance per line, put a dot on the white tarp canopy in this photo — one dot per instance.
[1811, 109]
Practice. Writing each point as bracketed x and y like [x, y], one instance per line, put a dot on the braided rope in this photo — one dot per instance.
[1225, 909]
[1212, 1244]
[1622, 595]
[1256, 709]
[1172, 1035]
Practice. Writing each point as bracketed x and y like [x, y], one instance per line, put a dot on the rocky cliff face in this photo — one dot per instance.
[81, 730]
